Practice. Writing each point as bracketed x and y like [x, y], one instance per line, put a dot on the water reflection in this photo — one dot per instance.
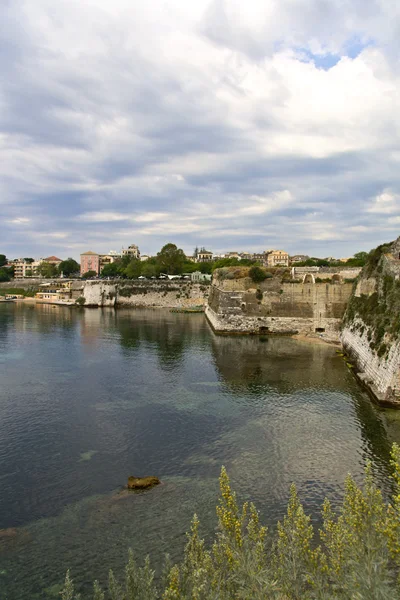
[88, 397]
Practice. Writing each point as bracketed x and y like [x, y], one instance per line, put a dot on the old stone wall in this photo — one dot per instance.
[380, 374]
[141, 294]
[278, 307]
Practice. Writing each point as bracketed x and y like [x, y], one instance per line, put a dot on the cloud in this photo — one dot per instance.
[385, 203]
[220, 123]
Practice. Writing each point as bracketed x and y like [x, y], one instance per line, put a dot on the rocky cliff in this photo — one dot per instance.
[371, 324]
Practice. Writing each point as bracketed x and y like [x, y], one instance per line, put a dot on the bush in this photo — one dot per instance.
[80, 301]
[358, 556]
[257, 274]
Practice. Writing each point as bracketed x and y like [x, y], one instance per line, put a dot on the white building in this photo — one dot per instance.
[132, 251]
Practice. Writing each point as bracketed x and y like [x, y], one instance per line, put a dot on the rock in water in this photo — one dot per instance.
[141, 483]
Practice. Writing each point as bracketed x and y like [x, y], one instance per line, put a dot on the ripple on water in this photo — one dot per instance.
[92, 397]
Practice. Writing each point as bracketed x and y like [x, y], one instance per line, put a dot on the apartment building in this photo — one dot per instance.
[276, 258]
[90, 261]
[132, 251]
[24, 268]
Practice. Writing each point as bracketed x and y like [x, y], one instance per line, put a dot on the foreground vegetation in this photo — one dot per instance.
[357, 558]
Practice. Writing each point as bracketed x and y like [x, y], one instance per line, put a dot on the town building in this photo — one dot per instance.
[258, 257]
[132, 251]
[204, 255]
[298, 258]
[276, 258]
[24, 268]
[59, 292]
[144, 257]
[90, 261]
[199, 277]
[108, 259]
[52, 260]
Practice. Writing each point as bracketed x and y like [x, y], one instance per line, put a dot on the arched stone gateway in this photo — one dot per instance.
[336, 278]
[308, 278]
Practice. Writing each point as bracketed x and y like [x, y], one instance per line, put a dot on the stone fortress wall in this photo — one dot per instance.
[160, 294]
[277, 307]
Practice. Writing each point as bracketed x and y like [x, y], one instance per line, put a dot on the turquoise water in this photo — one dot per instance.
[89, 397]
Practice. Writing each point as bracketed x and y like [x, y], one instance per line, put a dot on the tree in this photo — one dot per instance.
[171, 259]
[358, 260]
[257, 274]
[68, 267]
[47, 270]
[89, 274]
[150, 269]
[134, 269]
[205, 267]
[3, 260]
[4, 275]
[112, 269]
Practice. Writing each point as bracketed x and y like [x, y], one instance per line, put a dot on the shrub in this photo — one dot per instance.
[257, 274]
[357, 557]
[81, 300]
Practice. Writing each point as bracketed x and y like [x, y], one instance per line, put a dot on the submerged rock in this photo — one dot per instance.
[141, 483]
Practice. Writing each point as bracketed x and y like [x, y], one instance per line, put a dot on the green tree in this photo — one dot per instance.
[150, 269]
[68, 267]
[47, 270]
[3, 260]
[205, 267]
[171, 259]
[4, 275]
[358, 260]
[257, 274]
[89, 275]
[112, 270]
[134, 269]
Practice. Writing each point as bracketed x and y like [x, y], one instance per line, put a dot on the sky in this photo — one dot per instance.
[226, 124]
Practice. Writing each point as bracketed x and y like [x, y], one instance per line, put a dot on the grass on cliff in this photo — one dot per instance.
[357, 557]
[379, 311]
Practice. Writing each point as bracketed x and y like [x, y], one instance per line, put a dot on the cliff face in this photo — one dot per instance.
[371, 324]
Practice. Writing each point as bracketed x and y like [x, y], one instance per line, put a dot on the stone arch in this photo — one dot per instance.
[309, 278]
[337, 278]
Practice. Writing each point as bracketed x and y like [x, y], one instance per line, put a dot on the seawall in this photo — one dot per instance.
[165, 294]
[277, 307]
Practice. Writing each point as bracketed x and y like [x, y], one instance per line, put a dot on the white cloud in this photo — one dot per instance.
[385, 203]
[210, 122]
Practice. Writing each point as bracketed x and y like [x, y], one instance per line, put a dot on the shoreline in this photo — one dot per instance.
[313, 338]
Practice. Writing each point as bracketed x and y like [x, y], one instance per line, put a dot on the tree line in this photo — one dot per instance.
[171, 260]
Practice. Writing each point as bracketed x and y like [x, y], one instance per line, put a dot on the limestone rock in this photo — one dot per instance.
[141, 483]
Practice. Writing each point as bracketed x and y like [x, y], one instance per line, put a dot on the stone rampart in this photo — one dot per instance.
[275, 307]
[158, 294]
